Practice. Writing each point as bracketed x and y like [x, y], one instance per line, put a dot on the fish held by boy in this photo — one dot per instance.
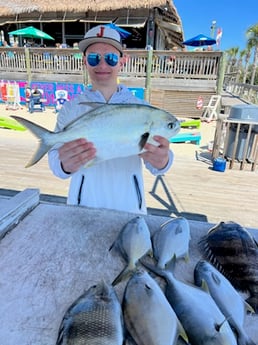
[117, 130]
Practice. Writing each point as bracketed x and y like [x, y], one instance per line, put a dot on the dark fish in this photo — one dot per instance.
[234, 252]
[94, 318]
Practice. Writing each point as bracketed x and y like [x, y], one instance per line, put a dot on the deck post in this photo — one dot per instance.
[148, 75]
[27, 59]
[221, 74]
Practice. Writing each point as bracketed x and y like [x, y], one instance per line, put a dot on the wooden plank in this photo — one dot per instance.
[17, 207]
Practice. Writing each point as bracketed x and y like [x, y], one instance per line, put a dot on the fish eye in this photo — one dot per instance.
[170, 125]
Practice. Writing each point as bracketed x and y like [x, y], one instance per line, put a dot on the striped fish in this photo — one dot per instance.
[234, 252]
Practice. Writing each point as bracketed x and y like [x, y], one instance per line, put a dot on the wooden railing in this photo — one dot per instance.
[137, 63]
[248, 93]
[237, 141]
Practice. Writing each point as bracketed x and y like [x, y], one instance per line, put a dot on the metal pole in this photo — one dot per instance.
[213, 28]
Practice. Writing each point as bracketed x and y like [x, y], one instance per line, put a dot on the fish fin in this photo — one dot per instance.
[124, 274]
[219, 326]
[143, 140]
[204, 286]
[182, 332]
[149, 253]
[253, 302]
[187, 258]
[39, 132]
[249, 308]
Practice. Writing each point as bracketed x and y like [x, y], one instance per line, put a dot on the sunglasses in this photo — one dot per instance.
[94, 59]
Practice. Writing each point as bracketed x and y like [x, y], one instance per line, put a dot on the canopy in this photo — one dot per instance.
[31, 32]
[123, 33]
[200, 40]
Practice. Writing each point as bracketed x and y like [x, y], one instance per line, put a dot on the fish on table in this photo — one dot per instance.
[148, 316]
[117, 130]
[226, 297]
[132, 242]
[201, 318]
[171, 239]
[234, 252]
[94, 318]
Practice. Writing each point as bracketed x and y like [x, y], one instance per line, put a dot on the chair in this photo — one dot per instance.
[35, 100]
[61, 98]
[211, 110]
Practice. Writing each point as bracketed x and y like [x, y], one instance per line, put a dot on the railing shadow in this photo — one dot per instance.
[169, 207]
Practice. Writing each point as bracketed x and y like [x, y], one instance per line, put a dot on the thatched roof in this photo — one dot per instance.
[29, 11]
[13, 7]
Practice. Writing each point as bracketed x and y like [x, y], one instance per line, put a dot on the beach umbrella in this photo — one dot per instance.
[31, 32]
[123, 33]
[199, 41]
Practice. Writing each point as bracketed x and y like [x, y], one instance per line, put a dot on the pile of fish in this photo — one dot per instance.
[208, 312]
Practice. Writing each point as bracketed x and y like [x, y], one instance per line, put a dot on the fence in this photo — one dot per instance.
[249, 93]
[137, 63]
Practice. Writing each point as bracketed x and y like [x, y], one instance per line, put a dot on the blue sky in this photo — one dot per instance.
[233, 17]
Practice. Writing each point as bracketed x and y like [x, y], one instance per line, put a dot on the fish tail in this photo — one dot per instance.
[42, 134]
[160, 271]
[124, 274]
[155, 269]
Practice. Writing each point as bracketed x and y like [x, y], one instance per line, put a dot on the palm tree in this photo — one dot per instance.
[231, 62]
[252, 42]
[242, 54]
[247, 58]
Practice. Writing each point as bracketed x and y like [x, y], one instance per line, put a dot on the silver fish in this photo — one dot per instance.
[200, 316]
[171, 239]
[117, 130]
[95, 318]
[226, 297]
[234, 252]
[148, 316]
[133, 242]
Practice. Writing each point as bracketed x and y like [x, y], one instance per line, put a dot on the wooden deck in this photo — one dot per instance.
[191, 188]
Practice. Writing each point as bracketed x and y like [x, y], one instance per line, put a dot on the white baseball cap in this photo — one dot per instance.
[101, 34]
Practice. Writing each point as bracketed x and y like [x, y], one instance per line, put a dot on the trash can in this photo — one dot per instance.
[241, 112]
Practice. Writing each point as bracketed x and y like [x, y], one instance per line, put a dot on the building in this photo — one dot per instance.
[152, 23]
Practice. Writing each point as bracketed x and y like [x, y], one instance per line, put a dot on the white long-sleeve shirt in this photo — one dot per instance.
[113, 184]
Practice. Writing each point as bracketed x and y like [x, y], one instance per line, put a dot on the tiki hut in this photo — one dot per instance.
[153, 23]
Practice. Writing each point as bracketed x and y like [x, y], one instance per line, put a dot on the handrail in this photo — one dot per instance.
[246, 92]
[164, 64]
